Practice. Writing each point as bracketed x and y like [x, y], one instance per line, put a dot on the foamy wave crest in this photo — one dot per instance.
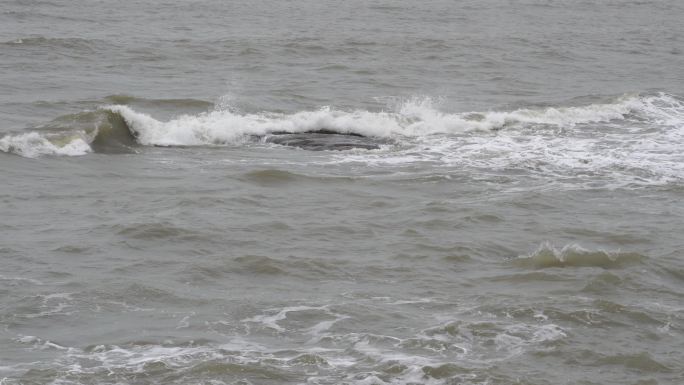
[572, 255]
[34, 144]
[414, 118]
[116, 128]
[634, 141]
[224, 127]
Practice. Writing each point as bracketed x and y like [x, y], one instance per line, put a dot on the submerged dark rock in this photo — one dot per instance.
[324, 140]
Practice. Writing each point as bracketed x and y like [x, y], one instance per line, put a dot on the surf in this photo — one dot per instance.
[119, 128]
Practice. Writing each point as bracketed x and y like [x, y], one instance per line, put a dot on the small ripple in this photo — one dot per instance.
[159, 230]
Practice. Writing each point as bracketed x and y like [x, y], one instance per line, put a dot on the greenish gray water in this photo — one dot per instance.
[472, 192]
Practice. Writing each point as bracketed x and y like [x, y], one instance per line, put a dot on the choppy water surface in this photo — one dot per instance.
[307, 192]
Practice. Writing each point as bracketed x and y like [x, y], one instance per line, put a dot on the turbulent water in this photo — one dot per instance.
[360, 192]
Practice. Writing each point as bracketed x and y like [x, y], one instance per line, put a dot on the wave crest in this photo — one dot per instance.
[115, 128]
[33, 144]
[72, 135]
[414, 118]
[547, 256]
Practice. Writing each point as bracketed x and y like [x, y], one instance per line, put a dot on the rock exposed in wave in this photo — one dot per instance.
[324, 140]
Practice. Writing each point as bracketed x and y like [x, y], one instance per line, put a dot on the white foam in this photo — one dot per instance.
[185, 321]
[548, 333]
[633, 138]
[224, 127]
[20, 279]
[414, 118]
[637, 141]
[34, 144]
[27, 339]
[320, 328]
[574, 255]
[271, 321]
[41, 344]
[360, 357]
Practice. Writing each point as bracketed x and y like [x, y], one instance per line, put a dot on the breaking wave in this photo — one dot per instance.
[72, 135]
[33, 144]
[120, 127]
[415, 118]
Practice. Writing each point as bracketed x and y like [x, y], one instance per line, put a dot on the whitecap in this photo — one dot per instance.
[34, 144]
